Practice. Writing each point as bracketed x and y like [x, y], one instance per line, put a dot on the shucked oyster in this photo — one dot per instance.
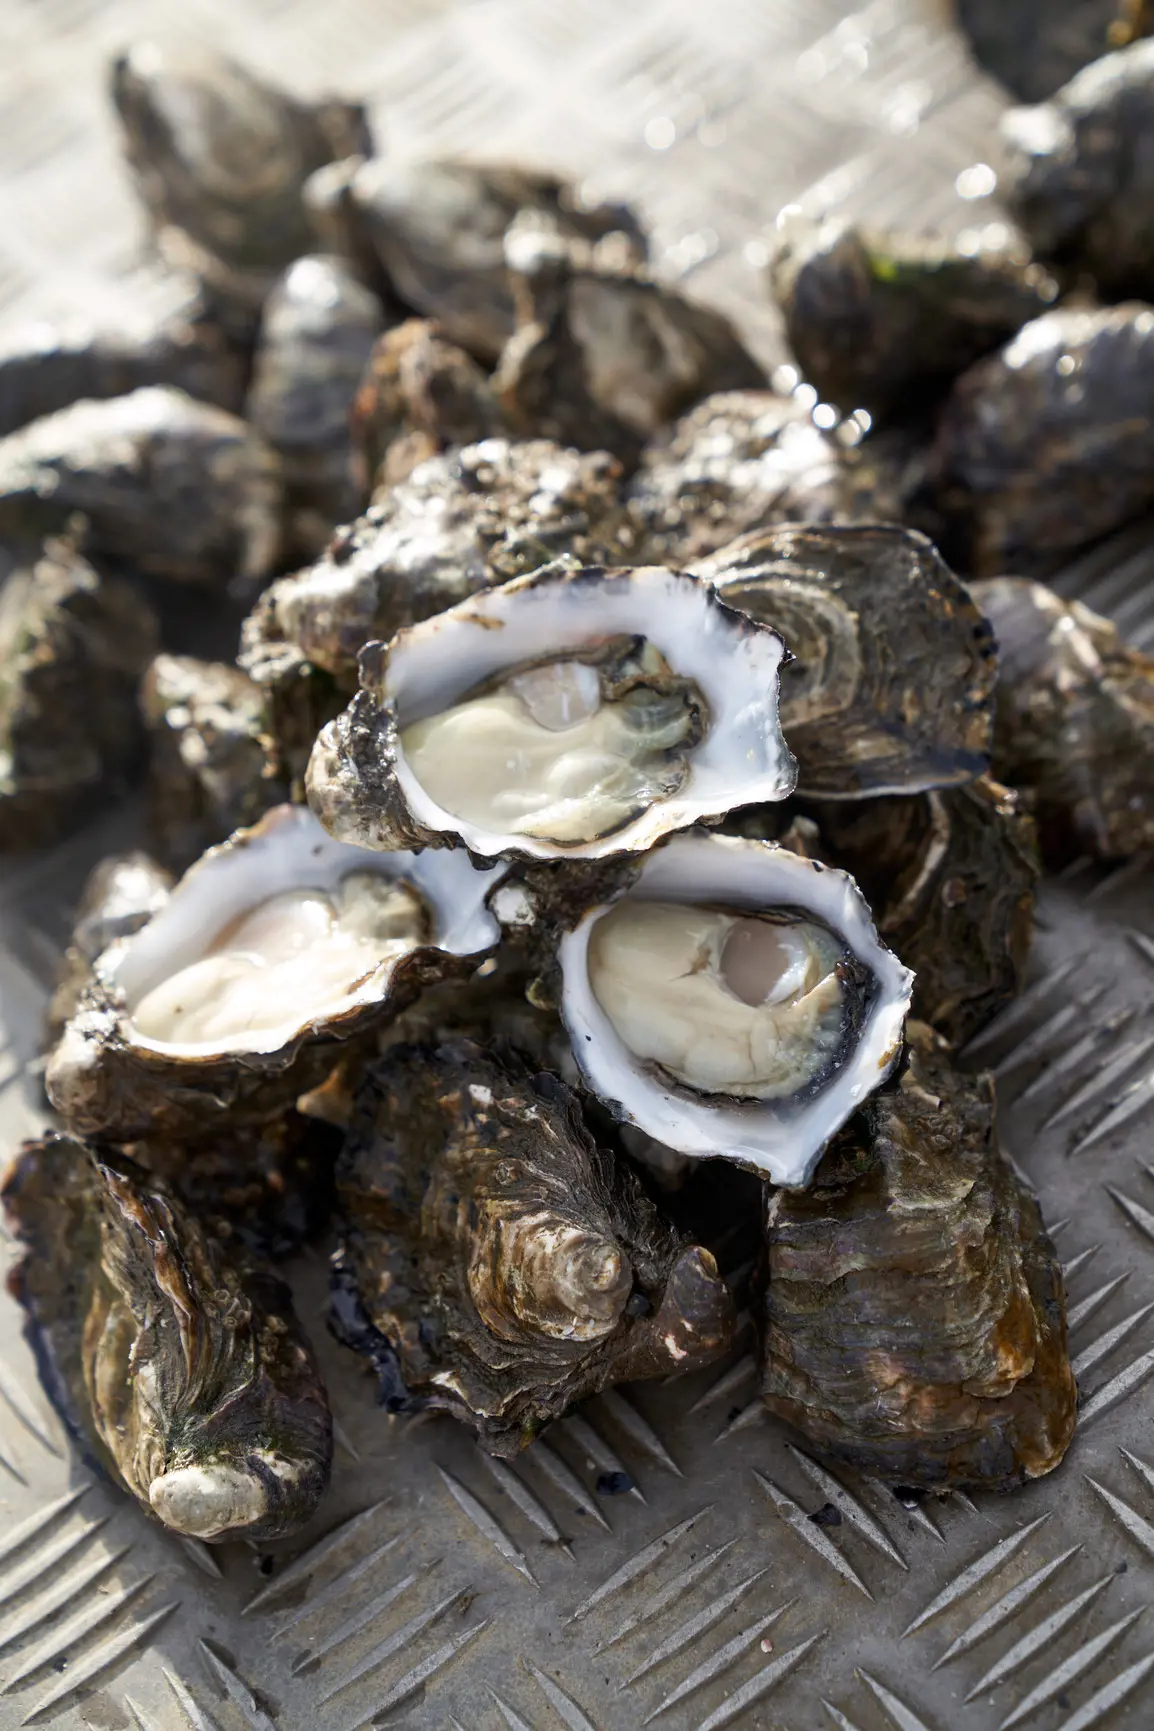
[890, 687]
[1074, 726]
[231, 1001]
[913, 1319]
[575, 713]
[120, 894]
[886, 321]
[1044, 446]
[495, 1262]
[176, 488]
[72, 647]
[168, 1353]
[733, 1000]
[420, 394]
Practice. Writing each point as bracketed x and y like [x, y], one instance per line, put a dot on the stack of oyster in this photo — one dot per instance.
[601, 821]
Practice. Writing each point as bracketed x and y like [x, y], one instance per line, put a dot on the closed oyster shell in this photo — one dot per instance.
[419, 395]
[913, 1318]
[1074, 722]
[495, 1262]
[176, 488]
[1034, 46]
[169, 1354]
[890, 688]
[1048, 443]
[885, 321]
[72, 648]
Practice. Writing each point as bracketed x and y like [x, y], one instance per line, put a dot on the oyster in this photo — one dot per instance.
[177, 488]
[1077, 172]
[168, 1353]
[1074, 724]
[121, 893]
[1033, 46]
[913, 1318]
[885, 321]
[733, 1000]
[274, 948]
[213, 764]
[460, 523]
[495, 1262]
[574, 713]
[420, 394]
[220, 160]
[890, 689]
[72, 648]
[438, 231]
[1050, 442]
[744, 459]
[602, 359]
[317, 331]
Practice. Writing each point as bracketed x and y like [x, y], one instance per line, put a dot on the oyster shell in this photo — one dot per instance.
[913, 1320]
[495, 1262]
[1048, 443]
[574, 713]
[274, 948]
[744, 459]
[420, 394]
[1077, 174]
[213, 763]
[317, 332]
[176, 1360]
[220, 159]
[438, 231]
[72, 647]
[890, 688]
[733, 1000]
[885, 321]
[459, 524]
[1074, 723]
[176, 488]
[121, 893]
[1034, 46]
[601, 359]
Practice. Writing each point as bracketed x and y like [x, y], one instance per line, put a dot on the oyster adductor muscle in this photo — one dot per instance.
[913, 1315]
[495, 1262]
[170, 1354]
[1074, 722]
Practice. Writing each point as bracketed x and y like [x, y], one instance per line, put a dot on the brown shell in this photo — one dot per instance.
[163, 1348]
[913, 1318]
[495, 1262]
[420, 394]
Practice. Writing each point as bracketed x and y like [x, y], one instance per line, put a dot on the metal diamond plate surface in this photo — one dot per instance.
[438, 1588]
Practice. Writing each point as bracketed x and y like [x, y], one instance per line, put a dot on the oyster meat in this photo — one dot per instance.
[574, 713]
[1033, 46]
[274, 948]
[733, 1000]
[1048, 443]
[212, 761]
[913, 1318]
[1078, 175]
[885, 321]
[601, 358]
[890, 688]
[72, 648]
[220, 159]
[176, 488]
[169, 1354]
[495, 1262]
[420, 394]
[1074, 723]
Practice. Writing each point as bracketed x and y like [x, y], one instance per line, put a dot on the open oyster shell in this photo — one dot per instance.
[176, 1360]
[913, 1319]
[884, 321]
[631, 702]
[1074, 724]
[733, 1000]
[72, 648]
[420, 393]
[176, 488]
[890, 688]
[275, 947]
[495, 1262]
[120, 894]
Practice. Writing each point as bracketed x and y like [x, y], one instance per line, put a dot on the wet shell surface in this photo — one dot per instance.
[572, 714]
[734, 1000]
